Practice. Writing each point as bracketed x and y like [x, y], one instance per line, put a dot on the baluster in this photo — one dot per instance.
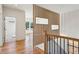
[57, 44]
[78, 47]
[73, 46]
[60, 45]
[49, 44]
[64, 45]
[46, 45]
[68, 45]
[54, 44]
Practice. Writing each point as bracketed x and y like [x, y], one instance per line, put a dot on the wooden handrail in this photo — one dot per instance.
[66, 37]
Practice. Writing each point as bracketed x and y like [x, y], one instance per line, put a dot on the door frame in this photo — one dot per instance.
[5, 29]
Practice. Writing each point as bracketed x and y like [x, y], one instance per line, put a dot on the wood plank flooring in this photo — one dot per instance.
[19, 47]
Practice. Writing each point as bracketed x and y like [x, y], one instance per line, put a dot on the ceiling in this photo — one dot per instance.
[58, 8]
[24, 7]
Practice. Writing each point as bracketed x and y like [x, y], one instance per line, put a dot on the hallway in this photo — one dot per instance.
[21, 47]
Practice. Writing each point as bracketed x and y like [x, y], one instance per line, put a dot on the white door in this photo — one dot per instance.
[10, 29]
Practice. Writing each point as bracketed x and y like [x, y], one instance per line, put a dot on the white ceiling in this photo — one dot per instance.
[24, 7]
[59, 8]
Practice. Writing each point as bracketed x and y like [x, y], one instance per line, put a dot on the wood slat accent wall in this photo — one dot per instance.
[53, 18]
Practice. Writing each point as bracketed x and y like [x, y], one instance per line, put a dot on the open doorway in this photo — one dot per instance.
[10, 29]
[29, 32]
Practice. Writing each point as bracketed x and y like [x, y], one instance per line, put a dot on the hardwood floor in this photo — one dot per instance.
[19, 47]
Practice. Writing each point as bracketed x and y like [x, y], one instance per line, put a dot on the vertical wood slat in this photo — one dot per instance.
[73, 46]
[68, 45]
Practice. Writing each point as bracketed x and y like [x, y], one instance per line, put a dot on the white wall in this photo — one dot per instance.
[1, 37]
[29, 13]
[20, 20]
[69, 24]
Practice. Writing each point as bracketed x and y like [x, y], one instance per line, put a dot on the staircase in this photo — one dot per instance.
[57, 44]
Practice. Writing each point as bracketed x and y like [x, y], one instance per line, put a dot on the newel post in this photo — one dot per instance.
[45, 43]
